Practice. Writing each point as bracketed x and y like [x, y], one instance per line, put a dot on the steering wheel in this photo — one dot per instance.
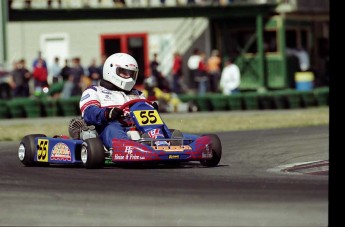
[132, 102]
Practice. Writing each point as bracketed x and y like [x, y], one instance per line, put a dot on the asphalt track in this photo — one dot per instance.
[244, 190]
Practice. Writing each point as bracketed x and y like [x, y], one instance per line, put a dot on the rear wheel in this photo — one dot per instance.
[92, 153]
[216, 152]
[27, 149]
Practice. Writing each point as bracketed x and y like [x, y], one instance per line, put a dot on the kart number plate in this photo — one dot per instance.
[42, 150]
[148, 117]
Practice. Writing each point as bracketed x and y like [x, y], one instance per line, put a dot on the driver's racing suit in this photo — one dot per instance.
[93, 104]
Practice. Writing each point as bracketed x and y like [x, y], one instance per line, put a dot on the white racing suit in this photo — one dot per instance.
[93, 104]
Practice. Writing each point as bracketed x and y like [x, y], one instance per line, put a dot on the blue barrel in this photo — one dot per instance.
[304, 81]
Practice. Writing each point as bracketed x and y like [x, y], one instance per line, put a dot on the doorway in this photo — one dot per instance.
[133, 44]
[54, 45]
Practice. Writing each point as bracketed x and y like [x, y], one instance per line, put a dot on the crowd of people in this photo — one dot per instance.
[28, 4]
[205, 75]
[72, 76]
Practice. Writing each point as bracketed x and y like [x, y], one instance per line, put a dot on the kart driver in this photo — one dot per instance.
[99, 105]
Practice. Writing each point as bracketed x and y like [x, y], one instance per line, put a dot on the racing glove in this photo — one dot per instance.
[155, 105]
[112, 114]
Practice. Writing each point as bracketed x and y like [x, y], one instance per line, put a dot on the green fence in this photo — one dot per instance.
[280, 99]
[39, 107]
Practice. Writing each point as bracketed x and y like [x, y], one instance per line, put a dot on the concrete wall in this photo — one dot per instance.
[24, 38]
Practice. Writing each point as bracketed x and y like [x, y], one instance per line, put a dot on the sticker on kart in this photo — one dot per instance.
[42, 150]
[147, 117]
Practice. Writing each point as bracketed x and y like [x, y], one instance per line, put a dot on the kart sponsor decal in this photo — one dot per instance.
[174, 156]
[154, 133]
[173, 148]
[129, 154]
[61, 152]
[147, 117]
[106, 92]
[42, 150]
[85, 97]
[119, 157]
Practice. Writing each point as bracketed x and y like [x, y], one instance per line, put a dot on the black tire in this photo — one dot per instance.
[92, 153]
[27, 149]
[216, 152]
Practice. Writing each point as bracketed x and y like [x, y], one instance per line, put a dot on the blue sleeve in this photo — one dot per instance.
[94, 115]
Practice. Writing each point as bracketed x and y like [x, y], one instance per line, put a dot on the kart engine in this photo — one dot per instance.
[75, 127]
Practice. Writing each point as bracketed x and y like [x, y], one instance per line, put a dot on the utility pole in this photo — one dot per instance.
[3, 31]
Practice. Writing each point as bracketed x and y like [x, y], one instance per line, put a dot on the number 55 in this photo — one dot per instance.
[148, 116]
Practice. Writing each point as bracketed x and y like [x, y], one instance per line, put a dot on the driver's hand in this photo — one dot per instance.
[112, 114]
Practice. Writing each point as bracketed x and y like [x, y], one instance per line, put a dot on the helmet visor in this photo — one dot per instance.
[126, 73]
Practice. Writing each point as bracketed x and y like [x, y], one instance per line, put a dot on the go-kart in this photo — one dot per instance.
[150, 141]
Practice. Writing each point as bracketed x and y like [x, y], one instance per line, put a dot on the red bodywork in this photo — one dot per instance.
[132, 151]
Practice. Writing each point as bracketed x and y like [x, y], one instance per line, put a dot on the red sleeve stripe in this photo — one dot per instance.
[90, 103]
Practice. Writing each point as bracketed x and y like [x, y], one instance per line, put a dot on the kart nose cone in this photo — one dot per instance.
[21, 152]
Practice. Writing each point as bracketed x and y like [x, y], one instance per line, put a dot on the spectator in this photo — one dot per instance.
[193, 64]
[177, 73]
[67, 87]
[201, 75]
[214, 70]
[5, 79]
[39, 57]
[94, 72]
[154, 66]
[27, 4]
[40, 75]
[163, 84]
[54, 71]
[77, 71]
[190, 2]
[100, 67]
[136, 3]
[65, 71]
[119, 3]
[20, 77]
[231, 78]
[215, 2]
[167, 101]
[50, 3]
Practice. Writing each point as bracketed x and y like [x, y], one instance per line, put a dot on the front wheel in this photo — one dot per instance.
[92, 153]
[216, 152]
[27, 149]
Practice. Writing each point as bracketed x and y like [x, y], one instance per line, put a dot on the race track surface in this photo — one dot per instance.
[244, 190]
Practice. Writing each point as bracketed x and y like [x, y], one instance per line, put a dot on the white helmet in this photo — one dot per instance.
[121, 70]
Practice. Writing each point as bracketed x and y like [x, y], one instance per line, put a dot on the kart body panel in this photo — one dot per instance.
[159, 145]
